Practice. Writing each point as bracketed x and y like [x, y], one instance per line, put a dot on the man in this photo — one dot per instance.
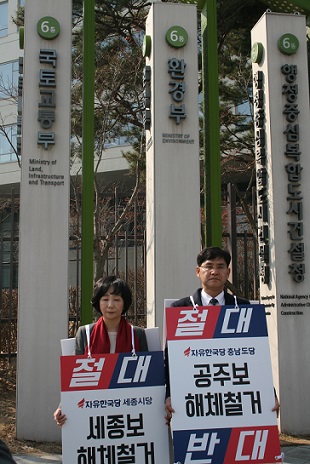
[213, 271]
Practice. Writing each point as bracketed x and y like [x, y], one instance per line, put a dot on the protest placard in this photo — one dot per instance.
[114, 405]
[221, 385]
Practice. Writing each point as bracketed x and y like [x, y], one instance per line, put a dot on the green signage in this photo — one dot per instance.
[257, 52]
[176, 37]
[21, 37]
[288, 44]
[48, 28]
[147, 46]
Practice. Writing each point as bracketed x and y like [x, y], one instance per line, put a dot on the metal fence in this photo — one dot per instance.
[125, 258]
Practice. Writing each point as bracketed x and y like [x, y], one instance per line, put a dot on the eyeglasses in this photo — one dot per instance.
[220, 268]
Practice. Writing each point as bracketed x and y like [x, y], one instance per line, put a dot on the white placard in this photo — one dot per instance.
[221, 385]
[115, 409]
[67, 346]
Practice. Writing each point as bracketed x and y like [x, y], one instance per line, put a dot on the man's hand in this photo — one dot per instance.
[276, 406]
[59, 417]
[169, 410]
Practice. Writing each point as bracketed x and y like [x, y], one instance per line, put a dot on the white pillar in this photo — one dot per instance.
[173, 197]
[44, 216]
[282, 123]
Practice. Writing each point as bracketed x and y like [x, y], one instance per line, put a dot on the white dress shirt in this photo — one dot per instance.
[205, 298]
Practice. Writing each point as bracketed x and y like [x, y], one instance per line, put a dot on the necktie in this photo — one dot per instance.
[213, 302]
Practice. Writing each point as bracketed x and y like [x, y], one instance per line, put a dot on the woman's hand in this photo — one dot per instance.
[169, 410]
[59, 417]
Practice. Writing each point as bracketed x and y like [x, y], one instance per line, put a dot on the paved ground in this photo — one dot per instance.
[44, 459]
[293, 455]
[296, 454]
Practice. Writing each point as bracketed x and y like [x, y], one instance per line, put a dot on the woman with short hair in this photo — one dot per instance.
[111, 333]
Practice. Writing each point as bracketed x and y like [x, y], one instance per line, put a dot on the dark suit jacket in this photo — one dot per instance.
[229, 300]
[5, 454]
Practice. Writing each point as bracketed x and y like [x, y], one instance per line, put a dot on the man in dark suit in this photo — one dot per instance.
[213, 271]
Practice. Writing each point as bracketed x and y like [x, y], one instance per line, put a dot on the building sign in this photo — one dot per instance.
[47, 103]
[177, 84]
[291, 162]
[147, 97]
[293, 167]
[287, 81]
[48, 28]
[19, 107]
[176, 37]
[261, 176]
[40, 172]
[223, 406]
[115, 409]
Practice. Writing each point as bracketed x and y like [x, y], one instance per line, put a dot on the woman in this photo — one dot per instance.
[111, 333]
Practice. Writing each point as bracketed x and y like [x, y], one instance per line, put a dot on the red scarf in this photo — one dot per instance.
[100, 342]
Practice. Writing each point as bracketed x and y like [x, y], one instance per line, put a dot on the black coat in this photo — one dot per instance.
[229, 300]
[5, 454]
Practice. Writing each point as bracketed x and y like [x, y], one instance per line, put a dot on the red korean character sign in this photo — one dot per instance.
[114, 405]
[221, 385]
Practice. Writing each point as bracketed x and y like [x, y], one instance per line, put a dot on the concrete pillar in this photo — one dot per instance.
[44, 216]
[282, 135]
[172, 144]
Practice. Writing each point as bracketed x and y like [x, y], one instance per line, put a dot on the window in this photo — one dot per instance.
[4, 18]
[8, 78]
[8, 143]
[9, 231]
[7, 282]
[9, 255]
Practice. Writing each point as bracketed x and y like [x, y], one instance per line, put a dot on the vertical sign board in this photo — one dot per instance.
[282, 141]
[172, 154]
[115, 409]
[44, 217]
[223, 405]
